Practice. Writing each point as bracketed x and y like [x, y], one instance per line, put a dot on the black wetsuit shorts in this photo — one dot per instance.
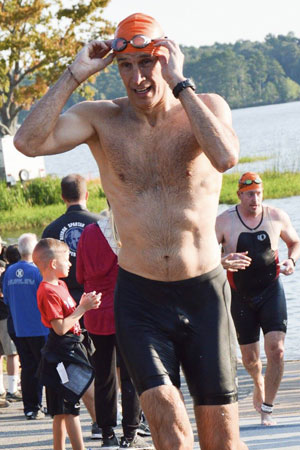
[162, 326]
[266, 310]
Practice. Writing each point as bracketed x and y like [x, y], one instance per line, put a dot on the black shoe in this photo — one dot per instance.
[15, 397]
[34, 415]
[143, 429]
[110, 443]
[137, 442]
[96, 431]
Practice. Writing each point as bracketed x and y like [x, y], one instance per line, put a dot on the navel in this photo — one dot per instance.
[122, 176]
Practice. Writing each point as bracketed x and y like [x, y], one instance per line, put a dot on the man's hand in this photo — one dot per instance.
[91, 59]
[286, 267]
[236, 261]
[172, 65]
[90, 300]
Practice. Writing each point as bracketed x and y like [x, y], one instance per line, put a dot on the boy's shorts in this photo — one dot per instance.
[56, 404]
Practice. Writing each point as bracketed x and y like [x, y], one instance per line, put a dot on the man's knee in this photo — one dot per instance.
[169, 423]
[275, 353]
[159, 400]
[250, 361]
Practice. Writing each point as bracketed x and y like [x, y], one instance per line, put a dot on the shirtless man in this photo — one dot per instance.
[249, 233]
[161, 158]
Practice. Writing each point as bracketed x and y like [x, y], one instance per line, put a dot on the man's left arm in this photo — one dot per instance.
[209, 114]
[290, 237]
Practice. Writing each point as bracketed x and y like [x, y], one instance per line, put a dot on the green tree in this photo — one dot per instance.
[286, 50]
[38, 39]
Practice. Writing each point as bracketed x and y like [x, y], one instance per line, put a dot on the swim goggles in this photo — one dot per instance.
[138, 41]
[249, 182]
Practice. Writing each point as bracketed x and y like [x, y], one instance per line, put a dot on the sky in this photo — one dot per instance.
[198, 22]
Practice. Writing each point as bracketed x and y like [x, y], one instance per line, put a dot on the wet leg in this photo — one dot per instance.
[168, 419]
[218, 427]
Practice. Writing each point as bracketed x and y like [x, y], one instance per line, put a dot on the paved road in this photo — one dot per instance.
[18, 433]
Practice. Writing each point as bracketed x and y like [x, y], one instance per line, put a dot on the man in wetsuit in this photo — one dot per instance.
[161, 152]
[249, 233]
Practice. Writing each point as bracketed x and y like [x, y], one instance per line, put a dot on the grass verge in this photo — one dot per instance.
[35, 218]
[276, 185]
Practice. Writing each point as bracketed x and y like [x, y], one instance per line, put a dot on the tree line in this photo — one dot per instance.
[244, 73]
[37, 42]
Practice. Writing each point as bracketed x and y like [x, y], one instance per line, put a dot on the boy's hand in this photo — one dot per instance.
[90, 300]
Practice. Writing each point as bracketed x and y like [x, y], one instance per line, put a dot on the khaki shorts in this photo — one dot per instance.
[7, 347]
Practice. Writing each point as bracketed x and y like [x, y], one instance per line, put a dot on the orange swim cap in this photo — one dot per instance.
[142, 24]
[249, 181]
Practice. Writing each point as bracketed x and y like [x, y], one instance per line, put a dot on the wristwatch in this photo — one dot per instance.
[188, 83]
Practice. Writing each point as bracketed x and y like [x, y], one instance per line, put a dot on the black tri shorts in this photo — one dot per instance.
[162, 326]
[266, 311]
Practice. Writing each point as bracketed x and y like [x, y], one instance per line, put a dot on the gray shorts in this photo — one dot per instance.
[7, 347]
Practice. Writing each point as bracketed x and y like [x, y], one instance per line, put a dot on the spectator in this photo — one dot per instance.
[8, 337]
[20, 286]
[97, 268]
[68, 228]
[2, 250]
[64, 348]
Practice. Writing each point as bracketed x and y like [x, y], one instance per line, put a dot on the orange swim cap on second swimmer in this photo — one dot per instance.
[249, 181]
[138, 26]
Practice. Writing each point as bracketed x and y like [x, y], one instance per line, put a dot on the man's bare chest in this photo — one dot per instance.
[151, 156]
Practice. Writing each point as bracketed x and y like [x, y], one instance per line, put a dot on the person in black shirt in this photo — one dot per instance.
[68, 228]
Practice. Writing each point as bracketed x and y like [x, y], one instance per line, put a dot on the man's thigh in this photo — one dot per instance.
[145, 321]
[168, 419]
[273, 312]
[246, 320]
[208, 352]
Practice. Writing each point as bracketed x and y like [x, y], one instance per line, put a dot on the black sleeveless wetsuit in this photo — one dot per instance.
[258, 299]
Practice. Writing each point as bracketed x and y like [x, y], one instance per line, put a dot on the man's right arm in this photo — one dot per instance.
[45, 130]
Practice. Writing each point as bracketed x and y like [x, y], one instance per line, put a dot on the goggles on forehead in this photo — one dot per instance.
[249, 182]
[138, 41]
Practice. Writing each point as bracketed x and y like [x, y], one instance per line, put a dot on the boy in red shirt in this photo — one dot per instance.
[65, 369]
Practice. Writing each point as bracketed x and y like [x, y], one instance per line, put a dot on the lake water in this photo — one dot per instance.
[272, 131]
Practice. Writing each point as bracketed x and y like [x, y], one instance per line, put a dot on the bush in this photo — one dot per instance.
[43, 191]
[11, 197]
